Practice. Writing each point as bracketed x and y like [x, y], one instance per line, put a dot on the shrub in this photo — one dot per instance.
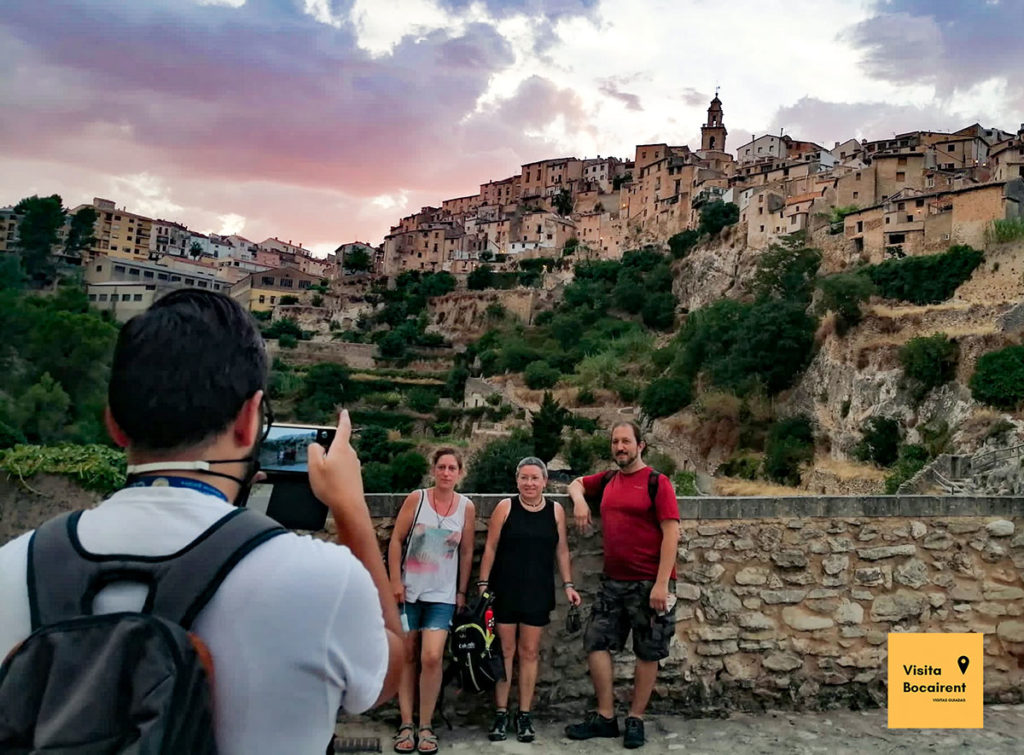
[288, 300]
[714, 216]
[585, 397]
[407, 470]
[540, 374]
[880, 442]
[790, 443]
[659, 311]
[843, 294]
[287, 341]
[1004, 231]
[377, 477]
[372, 444]
[928, 279]
[422, 400]
[481, 278]
[682, 243]
[665, 396]
[660, 461]
[94, 467]
[317, 301]
[583, 451]
[929, 361]
[998, 378]
[909, 462]
[325, 387]
[685, 483]
[743, 467]
[786, 270]
[492, 468]
[284, 326]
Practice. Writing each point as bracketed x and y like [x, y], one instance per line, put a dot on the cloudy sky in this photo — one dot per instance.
[324, 121]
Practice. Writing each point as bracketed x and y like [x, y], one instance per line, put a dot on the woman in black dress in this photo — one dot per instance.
[525, 538]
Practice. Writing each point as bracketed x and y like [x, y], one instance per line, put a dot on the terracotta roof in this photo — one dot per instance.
[803, 198]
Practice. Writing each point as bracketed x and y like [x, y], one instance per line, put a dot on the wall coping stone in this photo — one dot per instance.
[733, 507]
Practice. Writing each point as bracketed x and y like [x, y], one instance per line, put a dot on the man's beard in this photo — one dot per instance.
[624, 462]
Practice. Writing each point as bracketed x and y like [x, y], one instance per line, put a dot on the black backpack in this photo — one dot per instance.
[476, 662]
[652, 486]
[132, 682]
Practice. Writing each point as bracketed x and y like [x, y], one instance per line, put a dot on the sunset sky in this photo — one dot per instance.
[325, 121]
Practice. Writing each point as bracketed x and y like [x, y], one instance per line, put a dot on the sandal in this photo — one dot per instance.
[427, 739]
[405, 738]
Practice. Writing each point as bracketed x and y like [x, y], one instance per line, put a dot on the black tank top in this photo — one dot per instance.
[524, 565]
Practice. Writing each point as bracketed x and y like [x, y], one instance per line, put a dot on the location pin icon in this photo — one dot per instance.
[963, 662]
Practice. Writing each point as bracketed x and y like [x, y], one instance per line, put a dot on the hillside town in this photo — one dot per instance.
[910, 194]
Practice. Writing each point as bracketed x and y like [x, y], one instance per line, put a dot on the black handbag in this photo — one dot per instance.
[573, 620]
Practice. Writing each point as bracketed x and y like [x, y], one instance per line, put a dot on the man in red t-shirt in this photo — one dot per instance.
[640, 542]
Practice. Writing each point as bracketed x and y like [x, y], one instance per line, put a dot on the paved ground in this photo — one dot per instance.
[833, 733]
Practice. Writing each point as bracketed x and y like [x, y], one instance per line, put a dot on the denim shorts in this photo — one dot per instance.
[423, 614]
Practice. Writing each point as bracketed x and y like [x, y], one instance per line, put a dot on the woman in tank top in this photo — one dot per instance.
[525, 539]
[429, 559]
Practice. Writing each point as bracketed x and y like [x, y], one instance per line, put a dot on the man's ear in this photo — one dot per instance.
[114, 430]
[249, 423]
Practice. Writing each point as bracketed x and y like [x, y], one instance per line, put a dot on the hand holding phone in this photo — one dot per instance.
[335, 474]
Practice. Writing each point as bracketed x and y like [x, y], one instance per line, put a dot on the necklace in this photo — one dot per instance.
[451, 507]
[532, 506]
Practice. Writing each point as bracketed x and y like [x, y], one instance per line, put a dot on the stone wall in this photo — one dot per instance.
[783, 603]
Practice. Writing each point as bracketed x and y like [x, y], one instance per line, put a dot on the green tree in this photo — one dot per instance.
[562, 202]
[480, 278]
[682, 243]
[929, 361]
[12, 277]
[325, 387]
[407, 470]
[998, 378]
[81, 232]
[790, 443]
[659, 311]
[377, 477]
[582, 451]
[288, 300]
[714, 216]
[539, 374]
[42, 411]
[422, 400]
[317, 300]
[492, 469]
[880, 442]
[665, 396]
[786, 271]
[38, 229]
[373, 444]
[843, 295]
[547, 424]
[357, 260]
[195, 250]
[925, 279]
[629, 293]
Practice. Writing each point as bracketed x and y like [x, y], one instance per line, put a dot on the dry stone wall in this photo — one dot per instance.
[783, 603]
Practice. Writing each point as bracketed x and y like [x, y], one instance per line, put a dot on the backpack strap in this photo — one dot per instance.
[653, 480]
[64, 578]
[605, 479]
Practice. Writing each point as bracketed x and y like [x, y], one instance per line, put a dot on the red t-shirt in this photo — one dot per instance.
[630, 525]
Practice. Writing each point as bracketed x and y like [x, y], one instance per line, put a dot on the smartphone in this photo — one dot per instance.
[285, 495]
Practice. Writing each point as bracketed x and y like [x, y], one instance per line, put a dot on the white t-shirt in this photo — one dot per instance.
[295, 630]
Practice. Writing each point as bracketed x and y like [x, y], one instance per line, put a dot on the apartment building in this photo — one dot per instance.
[260, 292]
[119, 233]
[169, 237]
[8, 229]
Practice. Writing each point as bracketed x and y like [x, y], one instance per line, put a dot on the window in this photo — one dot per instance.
[901, 161]
[887, 220]
[175, 279]
[901, 206]
[134, 272]
[138, 297]
[190, 281]
[262, 299]
[125, 297]
[267, 280]
[762, 229]
[92, 297]
[856, 177]
[99, 268]
[304, 284]
[103, 297]
[951, 148]
[919, 203]
[113, 248]
[856, 194]
[792, 219]
[203, 284]
[161, 276]
[860, 226]
[148, 274]
[273, 299]
[901, 175]
[117, 217]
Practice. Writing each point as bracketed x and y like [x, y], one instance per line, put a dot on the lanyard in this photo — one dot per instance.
[178, 482]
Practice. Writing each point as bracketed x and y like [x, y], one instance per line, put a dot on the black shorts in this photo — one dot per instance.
[530, 618]
[624, 607]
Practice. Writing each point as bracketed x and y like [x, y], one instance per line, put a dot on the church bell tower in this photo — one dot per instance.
[713, 133]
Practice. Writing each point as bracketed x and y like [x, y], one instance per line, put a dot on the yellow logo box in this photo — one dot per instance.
[936, 681]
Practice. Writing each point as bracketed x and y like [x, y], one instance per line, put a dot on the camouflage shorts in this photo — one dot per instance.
[622, 607]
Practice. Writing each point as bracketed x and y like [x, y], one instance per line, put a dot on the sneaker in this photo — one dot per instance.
[524, 727]
[634, 736]
[499, 727]
[594, 725]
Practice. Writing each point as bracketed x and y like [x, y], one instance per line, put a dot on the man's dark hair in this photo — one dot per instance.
[183, 369]
[637, 432]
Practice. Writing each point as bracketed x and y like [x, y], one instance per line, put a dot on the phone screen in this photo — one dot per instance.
[285, 495]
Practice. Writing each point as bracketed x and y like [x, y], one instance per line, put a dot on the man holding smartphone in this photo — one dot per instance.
[640, 530]
[299, 627]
